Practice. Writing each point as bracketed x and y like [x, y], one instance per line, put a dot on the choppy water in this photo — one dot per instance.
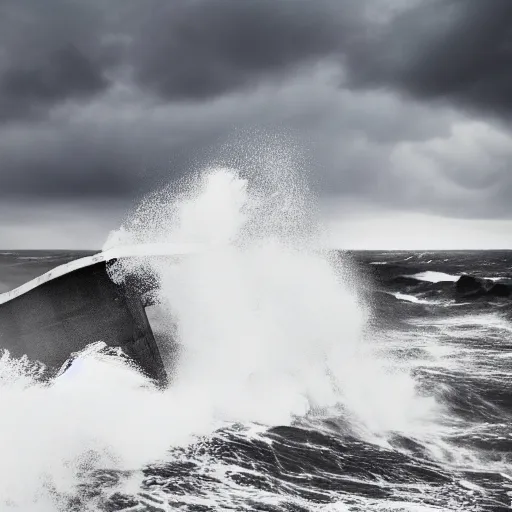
[302, 381]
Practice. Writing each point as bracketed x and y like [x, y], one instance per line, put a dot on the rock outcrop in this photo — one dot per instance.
[469, 286]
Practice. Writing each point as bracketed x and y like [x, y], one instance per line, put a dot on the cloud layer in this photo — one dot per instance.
[400, 104]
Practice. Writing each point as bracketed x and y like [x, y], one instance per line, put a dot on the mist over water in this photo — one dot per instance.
[268, 324]
[269, 330]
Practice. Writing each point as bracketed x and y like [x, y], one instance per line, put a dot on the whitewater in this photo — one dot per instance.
[298, 380]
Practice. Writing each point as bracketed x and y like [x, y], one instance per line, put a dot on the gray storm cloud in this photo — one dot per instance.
[197, 49]
[402, 104]
[50, 54]
[452, 50]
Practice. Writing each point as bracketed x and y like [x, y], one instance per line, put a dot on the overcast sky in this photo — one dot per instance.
[403, 108]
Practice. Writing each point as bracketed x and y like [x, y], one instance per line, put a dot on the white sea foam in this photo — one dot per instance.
[261, 309]
[434, 277]
[412, 298]
[481, 322]
[268, 329]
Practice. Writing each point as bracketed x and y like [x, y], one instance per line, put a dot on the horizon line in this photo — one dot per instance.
[14, 250]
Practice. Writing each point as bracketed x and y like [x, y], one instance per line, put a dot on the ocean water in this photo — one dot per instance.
[301, 379]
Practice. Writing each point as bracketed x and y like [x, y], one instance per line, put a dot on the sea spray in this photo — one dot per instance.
[267, 330]
[99, 414]
[266, 324]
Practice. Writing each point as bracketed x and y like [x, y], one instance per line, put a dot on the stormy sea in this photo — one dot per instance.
[301, 380]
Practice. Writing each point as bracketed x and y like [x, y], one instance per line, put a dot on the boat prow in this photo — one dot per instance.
[76, 304]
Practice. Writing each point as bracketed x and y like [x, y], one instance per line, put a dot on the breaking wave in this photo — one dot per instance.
[269, 330]
[434, 277]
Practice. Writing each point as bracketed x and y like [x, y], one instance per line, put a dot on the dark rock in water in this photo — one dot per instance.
[469, 286]
[474, 287]
[500, 290]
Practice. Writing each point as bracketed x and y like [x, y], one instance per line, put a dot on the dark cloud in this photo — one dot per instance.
[341, 139]
[63, 74]
[456, 50]
[72, 162]
[459, 51]
[199, 49]
[176, 50]
[108, 99]
[50, 53]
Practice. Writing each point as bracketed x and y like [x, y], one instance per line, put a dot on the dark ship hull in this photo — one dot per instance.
[62, 312]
